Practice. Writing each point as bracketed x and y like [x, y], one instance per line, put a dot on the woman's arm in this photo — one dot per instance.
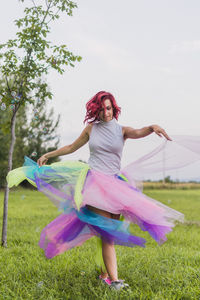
[130, 133]
[78, 143]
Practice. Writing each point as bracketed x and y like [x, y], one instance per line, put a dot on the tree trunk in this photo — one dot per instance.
[6, 194]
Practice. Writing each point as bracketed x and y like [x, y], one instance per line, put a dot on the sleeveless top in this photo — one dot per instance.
[106, 144]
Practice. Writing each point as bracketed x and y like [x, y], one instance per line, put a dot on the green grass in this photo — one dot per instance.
[170, 271]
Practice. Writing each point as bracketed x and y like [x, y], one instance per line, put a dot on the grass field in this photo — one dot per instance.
[170, 271]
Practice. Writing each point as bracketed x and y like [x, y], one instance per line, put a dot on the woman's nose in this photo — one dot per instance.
[106, 112]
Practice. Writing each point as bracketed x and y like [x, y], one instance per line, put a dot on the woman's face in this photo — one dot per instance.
[106, 112]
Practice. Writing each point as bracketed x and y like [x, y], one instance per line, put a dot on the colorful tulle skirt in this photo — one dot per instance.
[73, 187]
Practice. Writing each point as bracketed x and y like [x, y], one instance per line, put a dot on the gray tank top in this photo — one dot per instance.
[106, 144]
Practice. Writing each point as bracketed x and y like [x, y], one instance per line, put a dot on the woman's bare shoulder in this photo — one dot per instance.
[88, 128]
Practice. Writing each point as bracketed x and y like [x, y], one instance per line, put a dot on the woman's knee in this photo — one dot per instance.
[107, 244]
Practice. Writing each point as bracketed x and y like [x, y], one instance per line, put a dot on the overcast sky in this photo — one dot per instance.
[145, 52]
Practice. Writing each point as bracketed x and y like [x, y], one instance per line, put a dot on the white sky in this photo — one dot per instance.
[145, 52]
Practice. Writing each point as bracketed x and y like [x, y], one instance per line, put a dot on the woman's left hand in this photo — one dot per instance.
[160, 132]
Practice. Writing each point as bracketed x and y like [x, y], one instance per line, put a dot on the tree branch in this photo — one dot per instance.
[29, 51]
[15, 78]
[48, 7]
[55, 14]
[8, 84]
[34, 3]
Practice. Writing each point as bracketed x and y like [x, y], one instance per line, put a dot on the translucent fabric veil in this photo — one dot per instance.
[183, 152]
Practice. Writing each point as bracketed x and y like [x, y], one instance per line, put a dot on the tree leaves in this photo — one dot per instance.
[31, 55]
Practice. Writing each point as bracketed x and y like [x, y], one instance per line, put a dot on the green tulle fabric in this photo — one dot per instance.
[77, 172]
[16, 176]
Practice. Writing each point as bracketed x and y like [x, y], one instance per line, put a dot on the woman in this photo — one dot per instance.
[94, 195]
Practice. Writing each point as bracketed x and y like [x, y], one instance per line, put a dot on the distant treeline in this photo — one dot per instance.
[170, 185]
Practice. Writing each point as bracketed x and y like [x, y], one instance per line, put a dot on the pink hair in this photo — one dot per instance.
[94, 105]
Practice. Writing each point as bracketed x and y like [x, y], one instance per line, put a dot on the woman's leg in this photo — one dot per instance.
[110, 260]
[108, 250]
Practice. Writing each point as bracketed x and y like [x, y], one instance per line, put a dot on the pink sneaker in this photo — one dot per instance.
[105, 280]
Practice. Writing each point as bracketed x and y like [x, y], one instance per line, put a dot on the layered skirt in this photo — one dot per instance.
[72, 186]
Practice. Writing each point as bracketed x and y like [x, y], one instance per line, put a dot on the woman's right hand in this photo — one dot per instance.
[42, 160]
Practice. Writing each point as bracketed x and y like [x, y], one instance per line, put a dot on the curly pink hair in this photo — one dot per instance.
[94, 105]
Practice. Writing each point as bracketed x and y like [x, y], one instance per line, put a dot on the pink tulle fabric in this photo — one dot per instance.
[53, 237]
[118, 197]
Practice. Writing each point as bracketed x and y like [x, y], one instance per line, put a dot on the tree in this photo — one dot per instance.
[5, 138]
[34, 136]
[4, 143]
[24, 62]
[41, 134]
